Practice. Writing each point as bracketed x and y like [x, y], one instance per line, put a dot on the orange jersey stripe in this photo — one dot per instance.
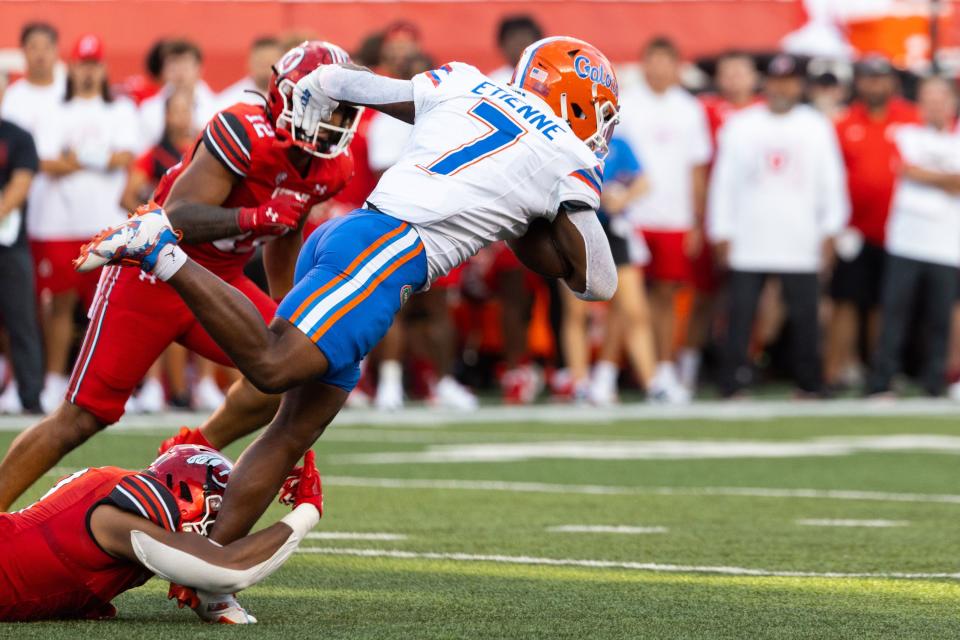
[365, 293]
[298, 314]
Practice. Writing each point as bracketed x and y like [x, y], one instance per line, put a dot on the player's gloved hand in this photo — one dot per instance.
[303, 485]
[310, 104]
[276, 217]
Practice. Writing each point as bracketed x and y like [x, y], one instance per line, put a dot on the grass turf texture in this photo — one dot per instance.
[343, 596]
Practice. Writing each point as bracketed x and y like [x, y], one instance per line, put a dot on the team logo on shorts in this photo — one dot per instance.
[405, 292]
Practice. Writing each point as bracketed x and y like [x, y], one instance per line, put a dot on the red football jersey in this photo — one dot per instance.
[243, 139]
[51, 567]
[871, 157]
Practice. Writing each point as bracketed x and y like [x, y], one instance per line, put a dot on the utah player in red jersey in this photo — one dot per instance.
[102, 531]
[251, 177]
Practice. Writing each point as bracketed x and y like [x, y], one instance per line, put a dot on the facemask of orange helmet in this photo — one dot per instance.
[578, 82]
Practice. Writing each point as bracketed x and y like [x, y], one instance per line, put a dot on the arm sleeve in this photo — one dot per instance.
[720, 204]
[145, 496]
[184, 568]
[601, 273]
[360, 86]
[228, 141]
[835, 209]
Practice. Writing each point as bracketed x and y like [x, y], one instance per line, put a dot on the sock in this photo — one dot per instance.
[688, 364]
[605, 373]
[169, 262]
[391, 372]
[666, 374]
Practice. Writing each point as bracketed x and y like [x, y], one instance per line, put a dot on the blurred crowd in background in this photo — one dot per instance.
[776, 220]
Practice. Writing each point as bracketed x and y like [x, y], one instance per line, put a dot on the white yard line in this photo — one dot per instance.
[353, 535]
[826, 522]
[603, 528]
[429, 417]
[613, 564]
[540, 487]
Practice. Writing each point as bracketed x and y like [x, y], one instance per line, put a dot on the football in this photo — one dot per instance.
[537, 250]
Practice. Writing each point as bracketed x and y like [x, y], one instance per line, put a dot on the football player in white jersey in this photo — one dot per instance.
[485, 162]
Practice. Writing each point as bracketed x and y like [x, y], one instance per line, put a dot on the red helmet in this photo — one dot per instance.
[294, 65]
[579, 84]
[197, 477]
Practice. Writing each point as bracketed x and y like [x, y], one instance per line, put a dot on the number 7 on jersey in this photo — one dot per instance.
[503, 132]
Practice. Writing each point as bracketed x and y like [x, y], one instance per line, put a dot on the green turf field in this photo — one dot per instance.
[709, 529]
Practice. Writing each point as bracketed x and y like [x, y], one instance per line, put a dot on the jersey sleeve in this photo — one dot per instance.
[229, 141]
[581, 186]
[145, 496]
[433, 87]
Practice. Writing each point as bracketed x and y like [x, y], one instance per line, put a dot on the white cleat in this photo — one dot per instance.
[207, 396]
[222, 609]
[10, 400]
[136, 242]
[54, 391]
[151, 398]
[389, 396]
[450, 394]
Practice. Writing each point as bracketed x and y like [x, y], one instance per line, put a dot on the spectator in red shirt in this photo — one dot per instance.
[866, 139]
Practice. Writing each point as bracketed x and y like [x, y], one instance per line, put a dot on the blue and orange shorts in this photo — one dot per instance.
[352, 276]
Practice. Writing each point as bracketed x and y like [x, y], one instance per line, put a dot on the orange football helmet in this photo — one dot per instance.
[579, 84]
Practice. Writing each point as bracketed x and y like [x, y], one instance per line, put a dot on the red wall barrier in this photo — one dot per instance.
[462, 30]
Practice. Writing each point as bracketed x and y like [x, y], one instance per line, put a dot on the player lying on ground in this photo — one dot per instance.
[485, 162]
[101, 531]
[247, 180]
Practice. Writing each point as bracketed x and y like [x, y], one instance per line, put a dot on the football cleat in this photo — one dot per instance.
[222, 609]
[136, 242]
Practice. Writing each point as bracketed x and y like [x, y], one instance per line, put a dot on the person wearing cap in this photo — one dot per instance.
[866, 134]
[922, 241]
[777, 198]
[87, 150]
[18, 166]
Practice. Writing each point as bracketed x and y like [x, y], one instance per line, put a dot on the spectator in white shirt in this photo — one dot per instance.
[777, 198]
[514, 34]
[667, 127]
[264, 53]
[923, 240]
[89, 147]
[181, 71]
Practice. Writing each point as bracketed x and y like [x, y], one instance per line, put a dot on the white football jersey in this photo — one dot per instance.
[482, 161]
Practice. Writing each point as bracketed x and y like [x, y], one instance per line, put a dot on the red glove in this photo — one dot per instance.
[303, 485]
[275, 217]
[185, 596]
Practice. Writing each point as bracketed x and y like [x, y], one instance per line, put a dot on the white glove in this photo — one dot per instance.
[93, 156]
[311, 105]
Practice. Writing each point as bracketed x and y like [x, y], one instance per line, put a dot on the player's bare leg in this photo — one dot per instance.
[244, 411]
[36, 450]
[304, 414]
